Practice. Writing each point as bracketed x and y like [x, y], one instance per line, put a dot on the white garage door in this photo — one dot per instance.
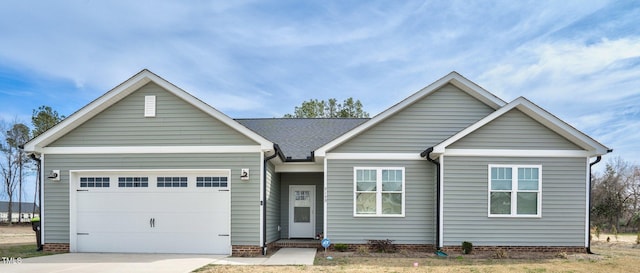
[153, 212]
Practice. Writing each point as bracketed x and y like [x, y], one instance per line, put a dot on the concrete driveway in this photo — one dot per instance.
[108, 262]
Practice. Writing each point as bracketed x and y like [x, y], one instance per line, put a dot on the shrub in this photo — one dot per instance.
[614, 230]
[384, 246]
[597, 232]
[362, 250]
[562, 255]
[500, 254]
[638, 238]
[467, 247]
[341, 247]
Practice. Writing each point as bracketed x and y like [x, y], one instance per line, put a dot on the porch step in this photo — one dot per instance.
[297, 243]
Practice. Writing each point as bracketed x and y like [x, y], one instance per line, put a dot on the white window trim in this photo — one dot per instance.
[514, 192]
[378, 191]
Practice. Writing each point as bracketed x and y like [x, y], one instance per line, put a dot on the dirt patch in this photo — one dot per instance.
[17, 234]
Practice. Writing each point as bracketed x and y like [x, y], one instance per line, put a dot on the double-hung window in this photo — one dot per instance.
[515, 190]
[378, 191]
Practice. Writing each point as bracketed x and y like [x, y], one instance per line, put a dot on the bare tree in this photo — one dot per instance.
[9, 167]
[15, 137]
[611, 195]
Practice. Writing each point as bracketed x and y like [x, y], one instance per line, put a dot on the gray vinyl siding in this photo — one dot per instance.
[245, 205]
[423, 124]
[273, 203]
[563, 204]
[514, 130]
[418, 225]
[176, 123]
[288, 179]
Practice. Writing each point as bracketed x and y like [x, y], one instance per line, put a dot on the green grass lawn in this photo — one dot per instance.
[610, 257]
[21, 251]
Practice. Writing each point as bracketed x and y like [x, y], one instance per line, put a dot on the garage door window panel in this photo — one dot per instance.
[133, 182]
[211, 182]
[172, 182]
[94, 182]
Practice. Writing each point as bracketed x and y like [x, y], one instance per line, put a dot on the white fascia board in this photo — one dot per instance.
[454, 78]
[476, 91]
[266, 144]
[560, 127]
[376, 156]
[299, 168]
[516, 153]
[89, 111]
[124, 89]
[538, 114]
[152, 149]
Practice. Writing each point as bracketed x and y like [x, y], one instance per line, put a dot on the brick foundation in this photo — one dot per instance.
[245, 251]
[543, 249]
[399, 247]
[56, 247]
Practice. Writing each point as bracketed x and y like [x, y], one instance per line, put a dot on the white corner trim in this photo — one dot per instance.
[42, 196]
[390, 156]
[152, 149]
[441, 193]
[516, 153]
[73, 212]
[324, 201]
[263, 202]
[587, 227]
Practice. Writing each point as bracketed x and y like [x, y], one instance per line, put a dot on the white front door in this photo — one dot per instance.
[302, 211]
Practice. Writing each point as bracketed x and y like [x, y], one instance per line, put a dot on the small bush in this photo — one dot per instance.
[341, 247]
[638, 238]
[384, 246]
[467, 247]
[597, 232]
[500, 254]
[614, 230]
[562, 255]
[362, 250]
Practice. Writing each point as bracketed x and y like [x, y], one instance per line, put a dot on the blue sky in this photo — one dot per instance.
[578, 59]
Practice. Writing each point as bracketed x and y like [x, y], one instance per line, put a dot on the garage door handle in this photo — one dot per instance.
[82, 233]
[226, 235]
[152, 222]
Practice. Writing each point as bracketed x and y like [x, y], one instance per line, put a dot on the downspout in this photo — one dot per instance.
[589, 194]
[427, 154]
[276, 152]
[39, 179]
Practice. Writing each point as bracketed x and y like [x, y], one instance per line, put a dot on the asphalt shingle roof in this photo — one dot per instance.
[298, 137]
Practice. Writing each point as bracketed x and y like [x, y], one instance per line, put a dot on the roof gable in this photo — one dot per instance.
[452, 78]
[514, 130]
[538, 114]
[175, 123]
[125, 89]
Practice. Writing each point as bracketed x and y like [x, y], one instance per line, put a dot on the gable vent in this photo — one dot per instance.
[149, 106]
